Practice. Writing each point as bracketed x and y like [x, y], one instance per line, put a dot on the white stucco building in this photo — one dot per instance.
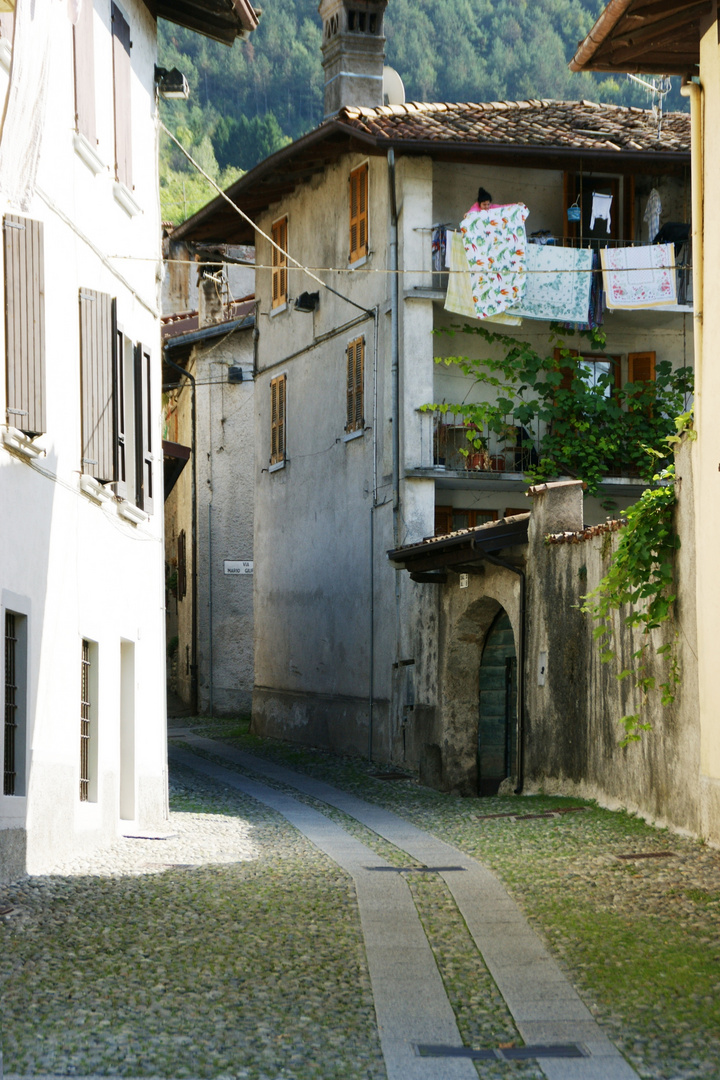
[81, 558]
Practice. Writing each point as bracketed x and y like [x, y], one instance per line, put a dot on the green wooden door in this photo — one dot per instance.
[497, 723]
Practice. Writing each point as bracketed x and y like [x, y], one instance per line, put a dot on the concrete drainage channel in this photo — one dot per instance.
[416, 1023]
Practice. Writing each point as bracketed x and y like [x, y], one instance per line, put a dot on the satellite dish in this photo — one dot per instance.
[393, 89]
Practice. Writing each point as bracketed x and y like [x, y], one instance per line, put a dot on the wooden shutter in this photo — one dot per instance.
[568, 373]
[355, 382]
[277, 419]
[84, 56]
[144, 435]
[24, 324]
[279, 263]
[358, 213]
[119, 418]
[96, 385]
[641, 367]
[121, 88]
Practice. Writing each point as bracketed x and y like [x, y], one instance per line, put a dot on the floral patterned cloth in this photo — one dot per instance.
[639, 277]
[558, 284]
[459, 296]
[495, 243]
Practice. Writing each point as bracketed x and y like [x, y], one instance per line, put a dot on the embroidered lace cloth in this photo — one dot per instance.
[639, 277]
[495, 243]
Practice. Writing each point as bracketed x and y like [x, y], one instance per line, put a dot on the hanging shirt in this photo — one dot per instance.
[652, 214]
[495, 242]
[601, 205]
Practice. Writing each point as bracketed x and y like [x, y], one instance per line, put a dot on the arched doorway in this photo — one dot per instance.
[497, 719]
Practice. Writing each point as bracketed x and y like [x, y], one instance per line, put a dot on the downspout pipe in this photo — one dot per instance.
[395, 347]
[521, 668]
[693, 91]
[193, 539]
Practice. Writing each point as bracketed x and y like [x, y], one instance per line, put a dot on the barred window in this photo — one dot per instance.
[85, 722]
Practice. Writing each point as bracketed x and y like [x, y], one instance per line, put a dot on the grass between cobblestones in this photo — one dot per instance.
[639, 938]
[251, 970]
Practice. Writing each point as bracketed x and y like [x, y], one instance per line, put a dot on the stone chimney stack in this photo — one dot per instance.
[353, 51]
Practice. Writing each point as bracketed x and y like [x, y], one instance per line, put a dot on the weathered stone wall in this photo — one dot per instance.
[573, 719]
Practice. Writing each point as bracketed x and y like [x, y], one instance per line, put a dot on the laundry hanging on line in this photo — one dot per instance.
[558, 284]
[459, 297]
[601, 207]
[639, 277]
[495, 243]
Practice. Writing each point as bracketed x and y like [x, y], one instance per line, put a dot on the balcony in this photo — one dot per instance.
[501, 462]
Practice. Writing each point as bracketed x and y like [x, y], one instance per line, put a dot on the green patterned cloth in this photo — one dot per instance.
[557, 284]
[495, 242]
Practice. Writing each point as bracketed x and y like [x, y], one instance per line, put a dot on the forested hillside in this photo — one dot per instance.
[250, 100]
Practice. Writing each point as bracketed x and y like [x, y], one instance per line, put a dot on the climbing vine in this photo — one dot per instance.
[591, 427]
[641, 577]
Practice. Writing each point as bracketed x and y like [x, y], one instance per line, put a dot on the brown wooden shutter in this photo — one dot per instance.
[120, 405]
[358, 213]
[568, 373]
[355, 418]
[144, 435]
[277, 419]
[641, 367]
[84, 55]
[24, 324]
[121, 85]
[443, 520]
[279, 263]
[96, 385]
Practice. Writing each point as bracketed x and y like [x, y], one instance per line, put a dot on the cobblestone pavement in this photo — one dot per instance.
[234, 949]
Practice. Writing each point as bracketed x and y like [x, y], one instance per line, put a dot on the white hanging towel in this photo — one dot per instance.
[652, 214]
[601, 206]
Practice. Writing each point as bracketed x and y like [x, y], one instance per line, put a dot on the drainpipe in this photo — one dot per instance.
[210, 612]
[693, 90]
[193, 540]
[521, 670]
[395, 346]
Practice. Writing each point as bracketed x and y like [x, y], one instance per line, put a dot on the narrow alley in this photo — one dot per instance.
[309, 916]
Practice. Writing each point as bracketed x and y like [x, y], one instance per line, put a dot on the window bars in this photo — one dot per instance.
[85, 723]
[9, 770]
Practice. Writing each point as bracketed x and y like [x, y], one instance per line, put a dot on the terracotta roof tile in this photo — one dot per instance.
[578, 125]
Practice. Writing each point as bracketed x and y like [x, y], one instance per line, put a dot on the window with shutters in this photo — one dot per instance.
[591, 369]
[641, 367]
[15, 729]
[121, 45]
[278, 406]
[84, 64]
[24, 324]
[358, 213]
[279, 235]
[450, 519]
[144, 434]
[97, 386]
[355, 360]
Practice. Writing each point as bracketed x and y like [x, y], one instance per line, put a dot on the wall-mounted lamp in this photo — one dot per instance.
[308, 301]
[171, 84]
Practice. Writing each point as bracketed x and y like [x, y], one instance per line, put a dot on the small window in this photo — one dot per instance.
[15, 698]
[590, 369]
[450, 519]
[359, 213]
[355, 384]
[279, 263]
[277, 419]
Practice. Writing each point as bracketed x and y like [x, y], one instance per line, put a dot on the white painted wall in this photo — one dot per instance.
[76, 568]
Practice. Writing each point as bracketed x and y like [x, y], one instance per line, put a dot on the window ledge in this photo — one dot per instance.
[94, 489]
[359, 262]
[21, 443]
[124, 197]
[350, 435]
[132, 513]
[5, 54]
[278, 310]
[85, 150]
[277, 465]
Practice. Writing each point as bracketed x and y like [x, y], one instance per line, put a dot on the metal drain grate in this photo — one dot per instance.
[513, 1053]
[649, 855]
[389, 776]
[529, 817]
[415, 869]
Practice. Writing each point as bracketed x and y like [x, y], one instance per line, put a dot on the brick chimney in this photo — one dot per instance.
[353, 51]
